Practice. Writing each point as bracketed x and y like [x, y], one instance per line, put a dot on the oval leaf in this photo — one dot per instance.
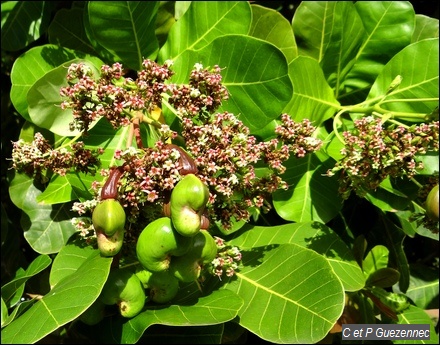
[313, 235]
[312, 195]
[126, 29]
[271, 26]
[44, 99]
[291, 294]
[23, 22]
[213, 18]
[46, 228]
[65, 302]
[312, 97]
[417, 64]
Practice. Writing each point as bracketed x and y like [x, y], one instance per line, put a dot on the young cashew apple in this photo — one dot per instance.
[432, 204]
[108, 217]
[158, 242]
[187, 203]
[187, 268]
[162, 286]
[124, 288]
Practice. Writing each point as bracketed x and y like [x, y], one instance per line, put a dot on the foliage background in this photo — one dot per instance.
[20, 254]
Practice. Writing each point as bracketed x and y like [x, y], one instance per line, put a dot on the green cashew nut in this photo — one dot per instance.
[432, 203]
[187, 203]
[187, 268]
[125, 289]
[108, 216]
[110, 245]
[158, 242]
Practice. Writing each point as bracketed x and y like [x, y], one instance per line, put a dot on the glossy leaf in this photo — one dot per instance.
[44, 99]
[311, 235]
[376, 259]
[214, 19]
[65, 302]
[46, 228]
[417, 316]
[388, 234]
[419, 80]
[40, 263]
[61, 189]
[258, 82]
[23, 22]
[388, 29]
[126, 29]
[423, 287]
[217, 307]
[383, 277]
[311, 195]
[279, 285]
[312, 25]
[426, 27]
[312, 96]
[31, 66]
[69, 259]
[271, 26]
[67, 30]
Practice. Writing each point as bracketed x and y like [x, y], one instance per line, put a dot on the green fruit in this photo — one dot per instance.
[187, 268]
[432, 206]
[108, 216]
[125, 289]
[110, 245]
[187, 203]
[158, 242]
[144, 276]
[163, 287]
[94, 314]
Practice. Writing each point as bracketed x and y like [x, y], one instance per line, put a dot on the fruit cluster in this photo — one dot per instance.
[171, 249]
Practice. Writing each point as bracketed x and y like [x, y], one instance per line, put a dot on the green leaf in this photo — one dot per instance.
[387, 198]
[36, 266]
[65, 302]
[31, 66]
[126, 29]
[312, 97]
[291, 294]
[214, 19]
[383, 277]
[271, 26]
[255, 75]
[417, 64]
[417, 316]
[387, 233]
[426, 27]
[311, 235]
[311, 194]
[342, 36]
[23, 22]
[388, 29]
[312, 24]
[67, 30]
[46, 228]
[61, 189]
[423, 286]
[376, 259]
[44, 99]
[217, 307]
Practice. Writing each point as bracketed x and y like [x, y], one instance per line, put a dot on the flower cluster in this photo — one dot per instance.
[203, 94]
[227, 260]
[372, 153]
[112, 96]
[38, 156]
[226, 154]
